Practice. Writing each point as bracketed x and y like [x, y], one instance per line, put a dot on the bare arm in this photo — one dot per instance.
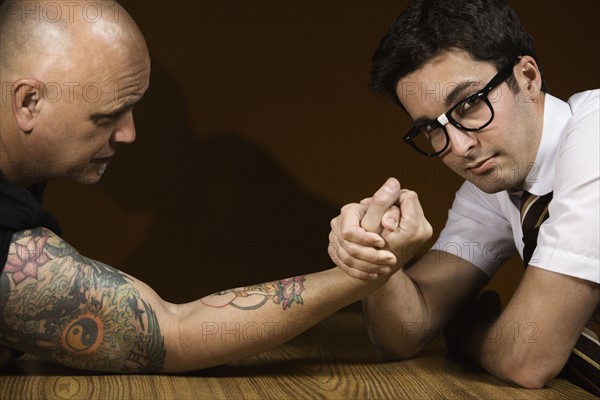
[527, 344]
[69, 309]
[416, 303]
[531, 340]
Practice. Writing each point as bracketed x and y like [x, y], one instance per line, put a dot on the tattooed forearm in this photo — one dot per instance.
[285, 292]
[69, 309]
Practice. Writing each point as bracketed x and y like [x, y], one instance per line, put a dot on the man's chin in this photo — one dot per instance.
[89, 180]
[89, 175]
[490, 185]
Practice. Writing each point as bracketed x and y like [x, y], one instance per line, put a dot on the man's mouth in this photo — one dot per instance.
[480, 167]
[101, 160]
[101, 163]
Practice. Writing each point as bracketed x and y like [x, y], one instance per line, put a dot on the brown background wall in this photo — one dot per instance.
[259, 125]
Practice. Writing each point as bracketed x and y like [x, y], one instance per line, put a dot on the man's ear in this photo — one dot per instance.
[529, 76]
[27, 95]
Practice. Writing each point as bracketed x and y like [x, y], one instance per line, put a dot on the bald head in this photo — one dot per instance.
[36, 35]
[70, 74]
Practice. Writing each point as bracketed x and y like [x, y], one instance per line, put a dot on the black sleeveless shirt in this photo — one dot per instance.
[21, 209]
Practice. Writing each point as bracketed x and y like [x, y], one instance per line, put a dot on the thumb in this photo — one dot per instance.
[381, 201]
[391, 218]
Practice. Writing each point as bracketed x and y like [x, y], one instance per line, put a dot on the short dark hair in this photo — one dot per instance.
[489, 30]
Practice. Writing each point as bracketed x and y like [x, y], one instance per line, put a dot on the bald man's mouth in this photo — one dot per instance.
[102, 158]
[101, 162]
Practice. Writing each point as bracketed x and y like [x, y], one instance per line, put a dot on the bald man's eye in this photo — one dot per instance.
[104, 120]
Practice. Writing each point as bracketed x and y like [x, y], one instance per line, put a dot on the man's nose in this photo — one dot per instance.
[461, 142]
[125, 132]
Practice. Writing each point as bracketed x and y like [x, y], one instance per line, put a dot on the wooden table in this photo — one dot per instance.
[332, 361]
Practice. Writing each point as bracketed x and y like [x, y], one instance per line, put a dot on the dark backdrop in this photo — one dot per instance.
[259, 125]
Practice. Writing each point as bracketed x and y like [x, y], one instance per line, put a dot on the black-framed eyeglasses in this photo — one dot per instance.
[472, 113]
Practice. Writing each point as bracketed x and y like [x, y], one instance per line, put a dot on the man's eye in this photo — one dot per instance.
[103, 120]
[432, 133]
[468, 105]
[427, 128]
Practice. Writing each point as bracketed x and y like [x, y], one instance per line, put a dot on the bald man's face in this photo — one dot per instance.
[87, 110]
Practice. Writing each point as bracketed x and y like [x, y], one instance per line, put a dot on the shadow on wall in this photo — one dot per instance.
[227, 213]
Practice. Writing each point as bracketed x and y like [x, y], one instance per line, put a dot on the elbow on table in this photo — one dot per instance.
[395, 350]
[530, 374]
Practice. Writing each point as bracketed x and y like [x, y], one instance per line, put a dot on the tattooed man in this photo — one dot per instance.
[55, 302]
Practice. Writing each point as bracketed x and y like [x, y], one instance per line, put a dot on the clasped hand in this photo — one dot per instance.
[380, 234]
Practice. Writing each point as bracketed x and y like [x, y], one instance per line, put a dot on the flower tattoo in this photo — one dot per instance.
[285, 292]
[289, 291]
[23, 262]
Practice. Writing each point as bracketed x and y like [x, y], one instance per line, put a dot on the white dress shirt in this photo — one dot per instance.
[485, 229]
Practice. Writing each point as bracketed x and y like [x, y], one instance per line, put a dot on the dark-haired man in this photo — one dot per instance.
[531, 167]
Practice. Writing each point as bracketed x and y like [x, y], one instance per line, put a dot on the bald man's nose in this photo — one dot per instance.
[125, 132]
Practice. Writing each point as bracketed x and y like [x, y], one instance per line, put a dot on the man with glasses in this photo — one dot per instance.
[531, 167]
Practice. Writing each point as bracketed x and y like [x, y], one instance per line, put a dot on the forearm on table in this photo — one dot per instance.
[511, 351]
[396, 318]
[237, 323]
[523, 351]
[532, 339]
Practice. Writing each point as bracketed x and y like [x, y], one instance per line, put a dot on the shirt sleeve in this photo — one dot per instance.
[21, 209]
[569, 241]
[477, 231]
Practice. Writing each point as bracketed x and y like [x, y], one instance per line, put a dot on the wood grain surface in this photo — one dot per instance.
[334, 360]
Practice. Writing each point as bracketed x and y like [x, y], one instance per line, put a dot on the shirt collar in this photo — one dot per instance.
[540, 179]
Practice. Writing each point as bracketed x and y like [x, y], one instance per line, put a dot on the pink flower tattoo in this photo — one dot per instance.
[290, 291]
[25, 260]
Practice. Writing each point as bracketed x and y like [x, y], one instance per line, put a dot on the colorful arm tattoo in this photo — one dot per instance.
[285, 292]
[72, 310]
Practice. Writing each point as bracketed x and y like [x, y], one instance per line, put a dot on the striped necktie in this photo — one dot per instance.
[534, 211]
[583, 366]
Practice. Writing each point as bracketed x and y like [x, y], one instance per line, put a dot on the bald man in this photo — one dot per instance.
[69, 86]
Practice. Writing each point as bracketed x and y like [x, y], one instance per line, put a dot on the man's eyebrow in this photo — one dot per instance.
[118, 111]
[455, 94]
[422, 121]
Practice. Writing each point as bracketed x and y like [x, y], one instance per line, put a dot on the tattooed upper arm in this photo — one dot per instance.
[69, 309]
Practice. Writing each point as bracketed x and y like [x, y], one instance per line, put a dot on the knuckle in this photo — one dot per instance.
[333, 223]
[364, 241]
[345, 258]
[428, 230]
[411, 195]
[346, 208]
[358, 274]
[369, 268]
[380, 260]
[345, 232]
[352, 249]
[349, 261]
[333, 239]
[380, 199]
[353, 273]
[332, 248]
